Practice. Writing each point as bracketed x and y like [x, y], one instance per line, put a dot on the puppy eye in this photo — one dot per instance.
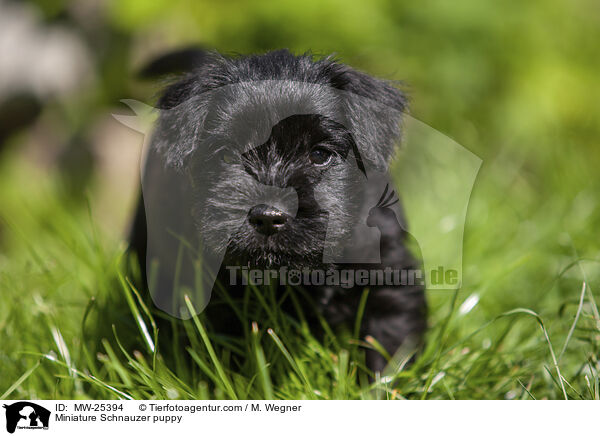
[228, 158]
[320, 156]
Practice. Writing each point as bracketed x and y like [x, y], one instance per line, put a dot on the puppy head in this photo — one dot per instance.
[261, 203]
[271, 147]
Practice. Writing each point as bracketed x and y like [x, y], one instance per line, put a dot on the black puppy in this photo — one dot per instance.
[278, 163]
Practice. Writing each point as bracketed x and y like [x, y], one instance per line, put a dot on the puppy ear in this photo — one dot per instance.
[374, 111]
[174, 62]
[183, 107]
[178, 92]
[183, 103]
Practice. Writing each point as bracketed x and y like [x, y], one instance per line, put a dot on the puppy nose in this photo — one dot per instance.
[267, 220]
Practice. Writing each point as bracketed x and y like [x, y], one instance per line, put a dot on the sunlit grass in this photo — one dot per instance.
[72, 325]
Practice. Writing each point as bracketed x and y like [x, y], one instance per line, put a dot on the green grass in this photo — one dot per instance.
[515, 82]
[72, 326]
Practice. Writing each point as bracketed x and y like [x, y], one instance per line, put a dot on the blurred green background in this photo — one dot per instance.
[517, 83]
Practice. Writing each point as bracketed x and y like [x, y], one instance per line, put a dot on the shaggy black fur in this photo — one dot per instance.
[207, 120]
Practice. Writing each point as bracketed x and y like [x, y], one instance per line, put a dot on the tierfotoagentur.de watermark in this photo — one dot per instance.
[343, 277]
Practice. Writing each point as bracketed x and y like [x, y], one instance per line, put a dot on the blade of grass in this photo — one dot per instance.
[211, 351]
[90, 378]
[297, 368]
[19, 381]
[543, 327]
[360, 313]
[441, 342]
[572, 329]
[143, 328]
[261, 362]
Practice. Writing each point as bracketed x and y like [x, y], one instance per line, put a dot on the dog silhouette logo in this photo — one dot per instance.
[221, 189]
[26, 415]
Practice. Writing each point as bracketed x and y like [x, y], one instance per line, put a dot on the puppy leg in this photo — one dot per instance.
[393, 315]
[138, 237]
